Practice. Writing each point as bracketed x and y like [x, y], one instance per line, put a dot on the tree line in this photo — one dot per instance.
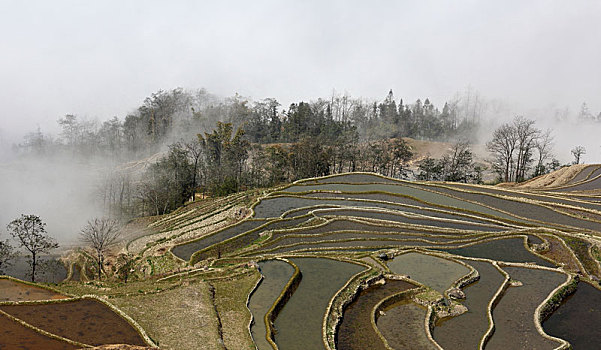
[216, 146]
[213, 146]
[168, 116]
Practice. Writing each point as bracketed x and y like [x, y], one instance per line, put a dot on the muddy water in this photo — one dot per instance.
[185, 251]
[525, 210]
[509, 249]
[466, 330]
[398, 217]
[434, 272]
[367, 236]
[299, 324]
[514, 314]
[16, 291]
[427, 196]
[356, 330]
[403, 326]
[276, 206]
[276, 274]
[49, 269]
[353, 178]
[15, 336]
[578, 319]
[353, 245]
[86, 321]
[402, 203]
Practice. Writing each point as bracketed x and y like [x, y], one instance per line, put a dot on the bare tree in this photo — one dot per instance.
[527, 136]
[513, 146]
[458, 163]
[30, 232]
[502, 146]
[195, 151]
[100, 234]
[6, 254]
[578, 152]
[544, 146]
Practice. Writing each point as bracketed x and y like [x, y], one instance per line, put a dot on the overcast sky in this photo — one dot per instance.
[98, 59]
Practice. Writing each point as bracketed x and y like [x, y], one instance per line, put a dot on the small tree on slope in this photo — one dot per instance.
[30, 232]
[100, 234]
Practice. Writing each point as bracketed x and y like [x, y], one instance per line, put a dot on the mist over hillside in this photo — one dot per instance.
[72, 176]
[456, 72]
[61, 190]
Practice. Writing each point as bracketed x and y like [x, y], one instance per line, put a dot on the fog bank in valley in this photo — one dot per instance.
[61, 190]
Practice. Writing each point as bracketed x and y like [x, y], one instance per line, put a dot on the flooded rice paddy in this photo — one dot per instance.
[276, 274]
[17, 291]
[356, 330]
[506, 249]
[513, 315]
[403, 326]
[465, 331]
[86, 321]
[578, 319]
[432, 271]
[185, 251]
[299, 324]
[13, 335]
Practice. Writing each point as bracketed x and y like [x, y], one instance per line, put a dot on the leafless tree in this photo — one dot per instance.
[6, 254]
[502, 146]
[30, 232]
[544, 145]
[578, 152]
[100, 234]
[513, 145]
[196, 153]
[527, 136]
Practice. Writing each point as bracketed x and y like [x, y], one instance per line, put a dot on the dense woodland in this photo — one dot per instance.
[214, 146]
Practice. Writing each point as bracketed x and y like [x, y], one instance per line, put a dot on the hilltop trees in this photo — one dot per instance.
[30, 232]
[225, 154]
[168, 183]
[457, 166]
[578, 152]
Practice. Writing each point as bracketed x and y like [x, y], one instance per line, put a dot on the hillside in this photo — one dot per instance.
[311, 262]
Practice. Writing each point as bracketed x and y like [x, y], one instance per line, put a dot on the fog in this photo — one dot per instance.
[63, 192]
[538, 59]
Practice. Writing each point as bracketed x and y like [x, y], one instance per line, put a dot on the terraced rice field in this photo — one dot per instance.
[356, 331]
[276, 275]
[429, 270]
[84, 321]
[465, 267]
[513, 314]
[299, 323]
[14, 335]
[14, 290]
[466, 331]
[403, 326]
[505, 249]
[363, 215]
[577, 320]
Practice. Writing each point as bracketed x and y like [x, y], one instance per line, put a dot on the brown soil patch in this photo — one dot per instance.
[558, 252]
[16, 336]
[16, 291]
[86, 321]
